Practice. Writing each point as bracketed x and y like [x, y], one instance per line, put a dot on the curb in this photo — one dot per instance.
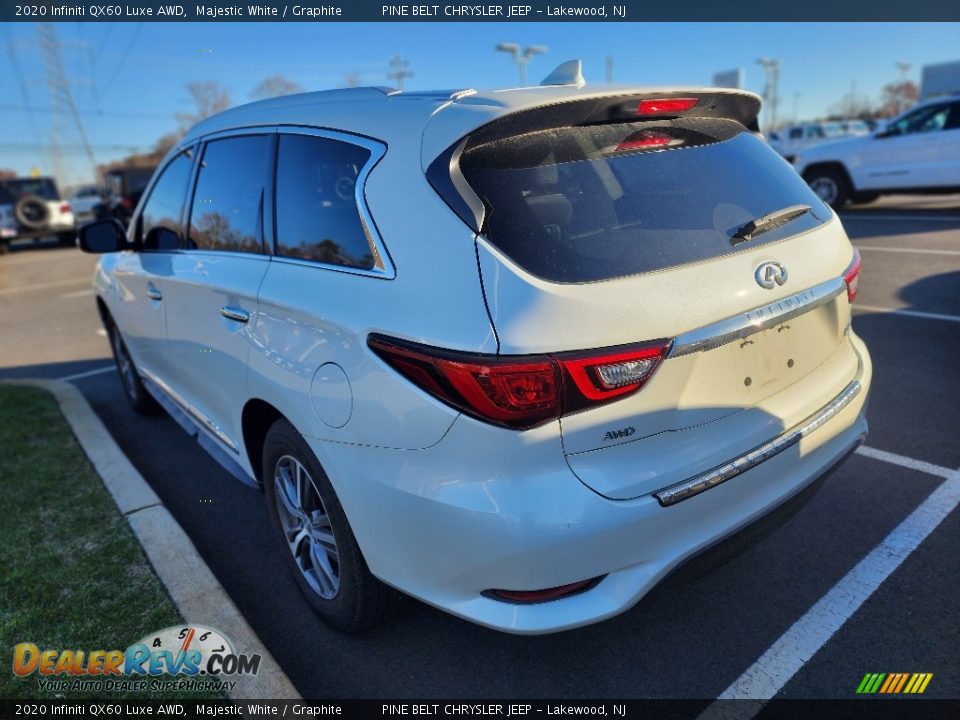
[187, 578]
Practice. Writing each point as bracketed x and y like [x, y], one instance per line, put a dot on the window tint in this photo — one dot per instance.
[41, 187]
[317, 214]
[160, 227]
[953, 122]
[227, 207]
[796, 133]
[928, 119]
[592, 203]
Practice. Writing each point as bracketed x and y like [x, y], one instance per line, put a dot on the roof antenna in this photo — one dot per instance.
[568, 73]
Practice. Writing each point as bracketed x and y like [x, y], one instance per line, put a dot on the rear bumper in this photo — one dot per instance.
[11, 234]
[487, 508]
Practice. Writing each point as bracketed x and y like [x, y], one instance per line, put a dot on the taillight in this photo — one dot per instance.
[65, 208]
[522, 391]
[851, 276]
[644, 141]
[665, 105]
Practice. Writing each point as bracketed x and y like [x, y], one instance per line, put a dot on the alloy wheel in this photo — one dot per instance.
[306, 527]
[826, 189]
[124, 364]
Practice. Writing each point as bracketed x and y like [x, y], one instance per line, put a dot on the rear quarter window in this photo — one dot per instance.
[593, 203]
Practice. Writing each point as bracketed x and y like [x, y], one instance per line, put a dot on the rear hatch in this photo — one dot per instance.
[670, 222]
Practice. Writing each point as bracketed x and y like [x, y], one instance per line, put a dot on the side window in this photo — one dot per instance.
[159, 226]
[953, 122]
[796, 133]
[928, 119]
[317, 214]
[227, 211]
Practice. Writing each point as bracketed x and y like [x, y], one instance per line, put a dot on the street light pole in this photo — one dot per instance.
[771, 68]
[522, 57]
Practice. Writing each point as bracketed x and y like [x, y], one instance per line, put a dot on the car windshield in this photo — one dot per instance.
[11, 190]
[593, 203]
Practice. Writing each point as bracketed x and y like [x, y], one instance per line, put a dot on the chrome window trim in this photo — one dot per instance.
[753, 321]
[677, 492]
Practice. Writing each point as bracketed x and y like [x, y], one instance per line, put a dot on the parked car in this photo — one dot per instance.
[38, 211]
[917, 152]
[790, 140]
[514, 353]
[84, 202]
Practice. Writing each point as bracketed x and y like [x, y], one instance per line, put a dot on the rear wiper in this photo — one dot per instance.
[768, 222]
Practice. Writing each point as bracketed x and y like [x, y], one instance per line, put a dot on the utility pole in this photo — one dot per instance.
[521, 58]
[400, 71]
[771, 96]
[609, 69]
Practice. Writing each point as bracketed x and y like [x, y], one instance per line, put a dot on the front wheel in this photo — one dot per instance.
[319, 545]
[138, 397]
[830, 185]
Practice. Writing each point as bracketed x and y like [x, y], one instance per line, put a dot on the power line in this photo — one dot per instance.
[123, 58]
[98, 113]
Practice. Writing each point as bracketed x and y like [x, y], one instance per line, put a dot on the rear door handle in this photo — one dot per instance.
[153, 293]
[232, 313]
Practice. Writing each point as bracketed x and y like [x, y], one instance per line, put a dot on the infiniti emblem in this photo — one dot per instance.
[770, 274]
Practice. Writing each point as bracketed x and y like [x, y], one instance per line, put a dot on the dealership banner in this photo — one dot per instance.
[893, 709]
[312, 11]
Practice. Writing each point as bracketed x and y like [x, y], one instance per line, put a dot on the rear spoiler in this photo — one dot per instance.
[447, 180]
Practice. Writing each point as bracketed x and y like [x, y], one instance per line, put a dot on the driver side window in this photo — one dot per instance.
[928, 119]
[160, 226]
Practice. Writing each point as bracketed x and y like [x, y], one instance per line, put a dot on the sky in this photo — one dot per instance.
[128, 79]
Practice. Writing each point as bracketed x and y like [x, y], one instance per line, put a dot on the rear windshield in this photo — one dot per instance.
[11, 190]
[593, 203]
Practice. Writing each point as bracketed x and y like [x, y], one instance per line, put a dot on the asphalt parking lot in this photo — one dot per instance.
[863, 578]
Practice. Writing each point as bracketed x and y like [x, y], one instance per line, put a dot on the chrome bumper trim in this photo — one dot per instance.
[695, 485]
[753, 321]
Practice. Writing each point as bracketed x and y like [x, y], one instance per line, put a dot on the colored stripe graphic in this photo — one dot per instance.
[894, 683]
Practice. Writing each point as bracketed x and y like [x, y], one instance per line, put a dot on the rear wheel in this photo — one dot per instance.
[138, 397]
[830, 184]
[319, 545]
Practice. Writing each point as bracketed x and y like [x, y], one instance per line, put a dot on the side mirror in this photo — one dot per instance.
[103, 236]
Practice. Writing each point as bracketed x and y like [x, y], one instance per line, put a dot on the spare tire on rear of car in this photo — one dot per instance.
[32, 212]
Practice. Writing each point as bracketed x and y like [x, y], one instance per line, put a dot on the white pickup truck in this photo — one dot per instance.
[916, 152]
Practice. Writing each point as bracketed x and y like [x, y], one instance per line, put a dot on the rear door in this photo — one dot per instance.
[211, 295]
[678, 230]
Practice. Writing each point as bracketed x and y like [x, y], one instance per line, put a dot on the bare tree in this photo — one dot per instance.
[275, 86]
[165, 142]
[897, 96]
[209, 99]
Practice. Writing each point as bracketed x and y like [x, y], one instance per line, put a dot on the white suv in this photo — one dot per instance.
[515, 353]
[917, 152]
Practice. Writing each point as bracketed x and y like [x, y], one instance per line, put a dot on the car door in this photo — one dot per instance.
[906, 155]
[211, 298]
[140, 275]
[950, 148]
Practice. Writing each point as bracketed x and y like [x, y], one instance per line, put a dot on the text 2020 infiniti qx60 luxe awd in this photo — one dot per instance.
[514, 353]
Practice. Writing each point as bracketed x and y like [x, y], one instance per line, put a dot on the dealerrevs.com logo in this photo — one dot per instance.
[175, 658]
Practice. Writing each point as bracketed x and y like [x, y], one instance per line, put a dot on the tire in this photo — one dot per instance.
[323, 554]
[863, 198]
[830, 184]
[67, 239]
[32, 212]
[137, 396]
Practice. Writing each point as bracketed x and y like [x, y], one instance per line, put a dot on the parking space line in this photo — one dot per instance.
[787, 656]
[908, 313]
[922, 251]
[77, 376]
[44, 286]
[904, 461]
